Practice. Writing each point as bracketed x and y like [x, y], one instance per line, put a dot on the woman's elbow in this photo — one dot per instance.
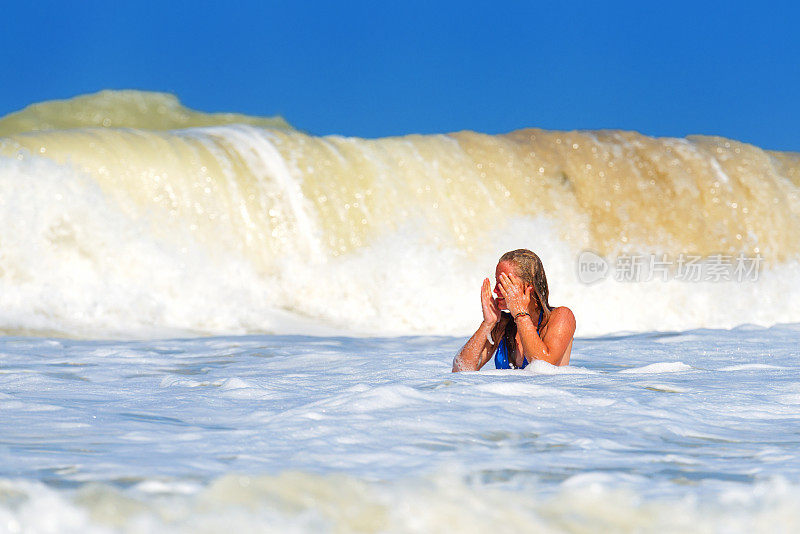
[460, 365]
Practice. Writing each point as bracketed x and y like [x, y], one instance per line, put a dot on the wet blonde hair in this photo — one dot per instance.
[529, 268]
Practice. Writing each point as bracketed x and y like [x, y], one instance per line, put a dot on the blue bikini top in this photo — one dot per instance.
[501, 356]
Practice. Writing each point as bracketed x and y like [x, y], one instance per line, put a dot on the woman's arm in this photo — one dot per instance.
[478, 349]
[551, 349]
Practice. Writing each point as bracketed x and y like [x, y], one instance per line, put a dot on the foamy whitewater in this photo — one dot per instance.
[216, 322]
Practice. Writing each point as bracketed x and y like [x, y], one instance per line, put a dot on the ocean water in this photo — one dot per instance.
[217, 322]
[696, 430]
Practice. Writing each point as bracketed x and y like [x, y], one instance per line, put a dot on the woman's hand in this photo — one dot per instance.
[517, 295]
[491, 311]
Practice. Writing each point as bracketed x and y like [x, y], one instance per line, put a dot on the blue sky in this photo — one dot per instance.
[388, 68]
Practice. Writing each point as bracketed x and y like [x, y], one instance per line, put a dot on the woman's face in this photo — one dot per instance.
[503, 267]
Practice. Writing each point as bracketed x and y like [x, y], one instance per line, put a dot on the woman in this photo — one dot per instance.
[531, 331]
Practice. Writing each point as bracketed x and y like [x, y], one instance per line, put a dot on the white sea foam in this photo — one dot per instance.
[660, 367]
[296, 502]
[293, 433]
[751, 367]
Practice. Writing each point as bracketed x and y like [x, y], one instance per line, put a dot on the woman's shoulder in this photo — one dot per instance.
[562, 314]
